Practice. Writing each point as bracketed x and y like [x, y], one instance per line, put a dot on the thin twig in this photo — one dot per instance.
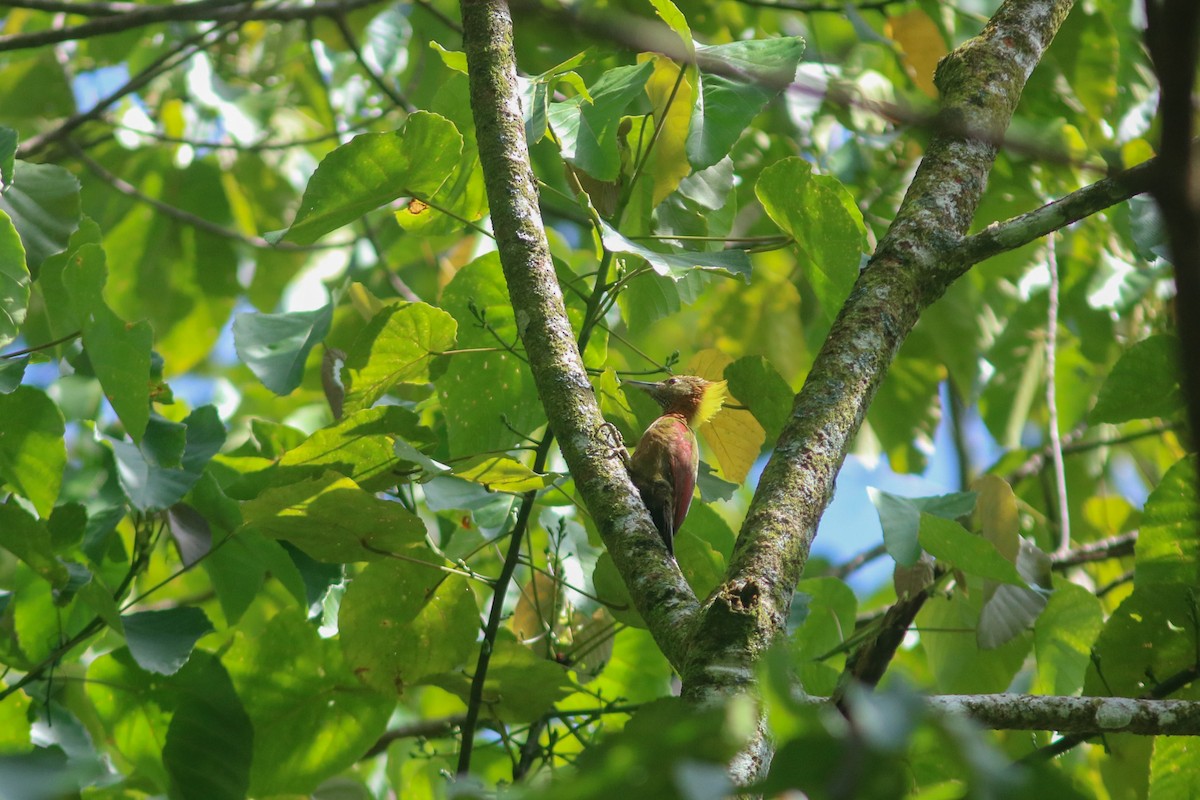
[1056, 453]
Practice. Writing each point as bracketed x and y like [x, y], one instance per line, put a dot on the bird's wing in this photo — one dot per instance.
[685, 460]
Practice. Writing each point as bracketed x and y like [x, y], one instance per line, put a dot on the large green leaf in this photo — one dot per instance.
[401, 622]
[118, 351]
[957, 663]
[134, 707]
[396, 347]
[275, 346]
[820, 215]
[737, 80]
[1144, 383]
[210, 742]
[14, 281]
[43, 203]
[1063, 637]
[312, 718]
[332, 519]
[1151, 636]
[587, 131]
[373, 169]
[1168, 547]
[480, 391]
[32, 451]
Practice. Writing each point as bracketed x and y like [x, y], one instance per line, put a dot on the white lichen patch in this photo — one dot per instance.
[1114, 713]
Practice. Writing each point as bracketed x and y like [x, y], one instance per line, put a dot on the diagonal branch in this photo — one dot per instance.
[658, 589]
[980, 83]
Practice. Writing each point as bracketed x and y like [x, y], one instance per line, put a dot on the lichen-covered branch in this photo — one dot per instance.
[980, 83]
[1088, 715]
[659, 590]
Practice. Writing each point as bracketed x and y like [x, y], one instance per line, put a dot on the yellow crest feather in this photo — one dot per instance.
[714, 397]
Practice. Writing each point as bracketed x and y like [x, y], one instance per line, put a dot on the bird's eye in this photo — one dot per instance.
[672, 381]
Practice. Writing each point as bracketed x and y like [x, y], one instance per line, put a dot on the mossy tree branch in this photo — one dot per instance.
[655, 583]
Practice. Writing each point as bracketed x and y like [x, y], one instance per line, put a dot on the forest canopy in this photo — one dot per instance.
[316, 320]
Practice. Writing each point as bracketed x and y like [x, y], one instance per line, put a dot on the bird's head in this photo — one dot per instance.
[696, 399]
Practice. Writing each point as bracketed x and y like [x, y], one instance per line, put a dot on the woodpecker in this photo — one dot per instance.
[667, 458]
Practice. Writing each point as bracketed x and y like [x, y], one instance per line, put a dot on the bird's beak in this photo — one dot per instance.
[640, 384]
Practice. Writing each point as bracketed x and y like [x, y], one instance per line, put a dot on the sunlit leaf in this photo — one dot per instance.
[401, 622]
[332, 519]
[396, 347]
[373, 169]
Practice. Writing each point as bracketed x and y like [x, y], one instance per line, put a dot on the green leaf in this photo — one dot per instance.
[1144, 383]
[359, 446]
[957, 663]
[737, 81]
[766, 393]
[819, 214]
[830, 606]
[33, 453]
[612, 592]
[376, 168]
[900, 518]
[275, 346]
[43, 203]
[210, 741]
[459, 200]
[479, 392]
[14, 281]
[12, 371]
[502, 474]
[1063, 637]
[1149, 637]
[948, 541]
[118, 351]
[587, 131]
[8, 151]
[28, 539]
[134, 707]
[1168, 549]
[332, 519]
[731, 263]
[520, 686]
[295, 712]
[161, 641]
[400, 622]
[396, 347]
[1174, 768]
[170, 459]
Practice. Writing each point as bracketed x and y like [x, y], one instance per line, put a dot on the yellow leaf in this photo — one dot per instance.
[997, 510]
[364, 301]
[502, 474]
[734, 435]
[921, 46]
[668, 163]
